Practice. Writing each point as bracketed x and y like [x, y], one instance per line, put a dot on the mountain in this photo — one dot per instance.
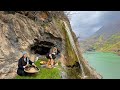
[107, 38]
[36, 32]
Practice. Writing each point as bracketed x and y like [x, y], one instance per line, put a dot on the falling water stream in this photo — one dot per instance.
[74, 47]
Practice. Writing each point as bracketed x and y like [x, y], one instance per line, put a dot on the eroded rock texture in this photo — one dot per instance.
[36, 32]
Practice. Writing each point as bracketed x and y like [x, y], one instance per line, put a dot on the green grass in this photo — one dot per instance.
[110, 45]
[44, 73]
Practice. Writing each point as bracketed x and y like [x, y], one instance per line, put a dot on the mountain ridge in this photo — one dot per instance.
[102, 38]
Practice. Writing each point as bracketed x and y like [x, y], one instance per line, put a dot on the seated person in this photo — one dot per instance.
[22, 63]
[52, 55]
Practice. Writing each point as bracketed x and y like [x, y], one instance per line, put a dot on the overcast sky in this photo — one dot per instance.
[85, 23]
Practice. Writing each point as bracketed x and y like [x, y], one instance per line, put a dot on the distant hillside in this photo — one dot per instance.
[106, 38]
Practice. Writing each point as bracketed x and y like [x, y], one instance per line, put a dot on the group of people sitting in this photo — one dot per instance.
[24, 61]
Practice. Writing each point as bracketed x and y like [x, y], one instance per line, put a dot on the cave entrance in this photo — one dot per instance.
[42, 47]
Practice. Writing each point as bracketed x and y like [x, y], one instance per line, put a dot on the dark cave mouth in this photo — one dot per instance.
[41, 48]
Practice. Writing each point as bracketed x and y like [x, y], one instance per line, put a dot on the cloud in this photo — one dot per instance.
[86, 23]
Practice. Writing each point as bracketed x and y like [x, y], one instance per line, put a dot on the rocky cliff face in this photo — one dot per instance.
[36, 32]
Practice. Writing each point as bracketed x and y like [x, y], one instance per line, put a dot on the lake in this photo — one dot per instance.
[106, 64]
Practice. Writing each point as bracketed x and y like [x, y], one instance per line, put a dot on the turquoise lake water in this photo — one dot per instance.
[107, 64]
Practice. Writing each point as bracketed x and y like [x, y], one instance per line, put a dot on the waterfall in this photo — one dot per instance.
[74, 47]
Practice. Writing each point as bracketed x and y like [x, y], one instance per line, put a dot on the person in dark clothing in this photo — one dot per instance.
[22, 63]
[52, 55]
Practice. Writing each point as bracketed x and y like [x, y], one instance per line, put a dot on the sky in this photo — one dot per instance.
[86, 23]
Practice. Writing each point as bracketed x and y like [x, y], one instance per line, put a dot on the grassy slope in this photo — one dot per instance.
[112, 44]
[44, 73]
